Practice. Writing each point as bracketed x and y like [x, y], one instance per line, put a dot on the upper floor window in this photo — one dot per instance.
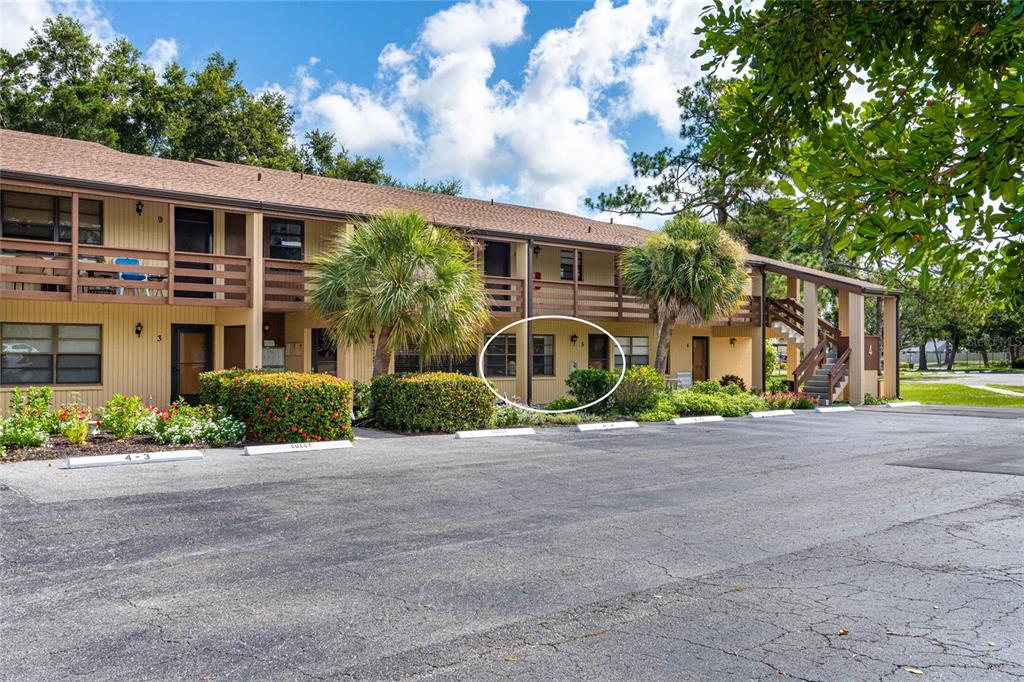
[565, 268]
[636, 349]
[48, 218]
[49, 353]
[285, 239]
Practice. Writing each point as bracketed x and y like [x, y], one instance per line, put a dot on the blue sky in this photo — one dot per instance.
[537, 103]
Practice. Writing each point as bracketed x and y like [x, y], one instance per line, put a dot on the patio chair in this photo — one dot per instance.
[130, 276]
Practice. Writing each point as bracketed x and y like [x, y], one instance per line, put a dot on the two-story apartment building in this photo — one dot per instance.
[130, 274]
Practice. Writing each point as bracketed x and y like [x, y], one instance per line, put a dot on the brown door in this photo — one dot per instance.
[597, 351]
[234, 347]
[700, 358]
[191, 355]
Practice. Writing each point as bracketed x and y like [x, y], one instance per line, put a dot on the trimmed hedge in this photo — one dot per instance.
[588, 384]
[433, 401]
[283, 407]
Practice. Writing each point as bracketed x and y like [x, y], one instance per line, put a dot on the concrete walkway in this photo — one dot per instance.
[1004, 391]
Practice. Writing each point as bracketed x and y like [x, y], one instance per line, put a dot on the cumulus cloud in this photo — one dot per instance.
[19, 18]
[161, 53]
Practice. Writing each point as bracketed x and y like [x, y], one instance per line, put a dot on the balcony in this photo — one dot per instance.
[36, 270]
[284, 284]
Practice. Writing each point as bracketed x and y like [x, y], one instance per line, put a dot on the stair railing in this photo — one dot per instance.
[809, 365]
[788, 313]
[835, 375]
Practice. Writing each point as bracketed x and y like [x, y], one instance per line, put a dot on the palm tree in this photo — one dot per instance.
[404, 282]
[690, 271]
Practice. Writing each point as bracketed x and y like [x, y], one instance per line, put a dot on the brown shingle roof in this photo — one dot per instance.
[91, 165]
[90, 162]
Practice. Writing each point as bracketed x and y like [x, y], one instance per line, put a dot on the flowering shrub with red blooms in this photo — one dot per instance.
[283, 407]
[789, 400]
[434, 401]
[73, 422]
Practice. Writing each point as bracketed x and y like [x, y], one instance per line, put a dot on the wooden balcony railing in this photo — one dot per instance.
[587, 301]
[31, 269]
[284, 284]
[505, 296]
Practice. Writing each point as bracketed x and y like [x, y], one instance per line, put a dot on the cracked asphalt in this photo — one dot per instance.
[795, 548]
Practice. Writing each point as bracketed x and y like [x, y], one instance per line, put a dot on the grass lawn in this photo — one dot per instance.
[957, 394]
[1008, 387]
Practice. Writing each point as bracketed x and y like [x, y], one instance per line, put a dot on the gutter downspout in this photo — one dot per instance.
[528, 292]
[764, 375]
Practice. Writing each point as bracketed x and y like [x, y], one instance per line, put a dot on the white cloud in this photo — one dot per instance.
[19, 18]
[553, 140]
[359, 121]
[161, 53]
[474, 25]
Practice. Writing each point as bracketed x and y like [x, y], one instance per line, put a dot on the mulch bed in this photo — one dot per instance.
[100, 444]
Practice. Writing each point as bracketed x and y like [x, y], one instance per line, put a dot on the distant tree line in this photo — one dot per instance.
[64, 83]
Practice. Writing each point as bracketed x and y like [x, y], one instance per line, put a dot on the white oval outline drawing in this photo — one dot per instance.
[483, 351]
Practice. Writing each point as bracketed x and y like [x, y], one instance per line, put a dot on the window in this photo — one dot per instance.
[565, 268]
[636, 349]
[285, 239]
[543, 355]
[50, 353]
[48, 218]
[500, 360]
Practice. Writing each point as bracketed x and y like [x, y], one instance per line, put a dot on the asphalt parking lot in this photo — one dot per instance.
[881, 544]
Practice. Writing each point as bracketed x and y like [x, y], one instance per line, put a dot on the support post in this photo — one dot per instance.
[890, 346]
[575, 282]
[764, 370]
[170, 253]
[254, 326]
[855, 321]
[792, 349]
[811, 316]
[74, 246]
[528, 293]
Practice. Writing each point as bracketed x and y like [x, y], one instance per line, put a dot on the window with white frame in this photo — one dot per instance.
[636, 350]
[36, 354]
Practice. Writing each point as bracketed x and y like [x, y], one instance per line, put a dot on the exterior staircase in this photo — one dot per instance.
[822, 374]
[817, 385]
[787, 332]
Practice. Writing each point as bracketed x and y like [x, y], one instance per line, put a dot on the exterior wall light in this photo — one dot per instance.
[573, 339]
[138, 329]
[732, 341]
[138, 207]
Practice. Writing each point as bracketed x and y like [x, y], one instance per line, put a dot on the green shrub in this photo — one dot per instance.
[733, 380]
[639, 391]
[587, 385]
[361, 399]
[181, 424]
[691, 401]
[778, 383]
[789, 401]
[506, 415]
[34, 406]
[709, 387]
[663, 409]
[21, 430]
[565, 419]
[283, 407]
[564, 403]
[741, 404]
[435, 401]
[771, 354]
[1017, 364]
[120, 416]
